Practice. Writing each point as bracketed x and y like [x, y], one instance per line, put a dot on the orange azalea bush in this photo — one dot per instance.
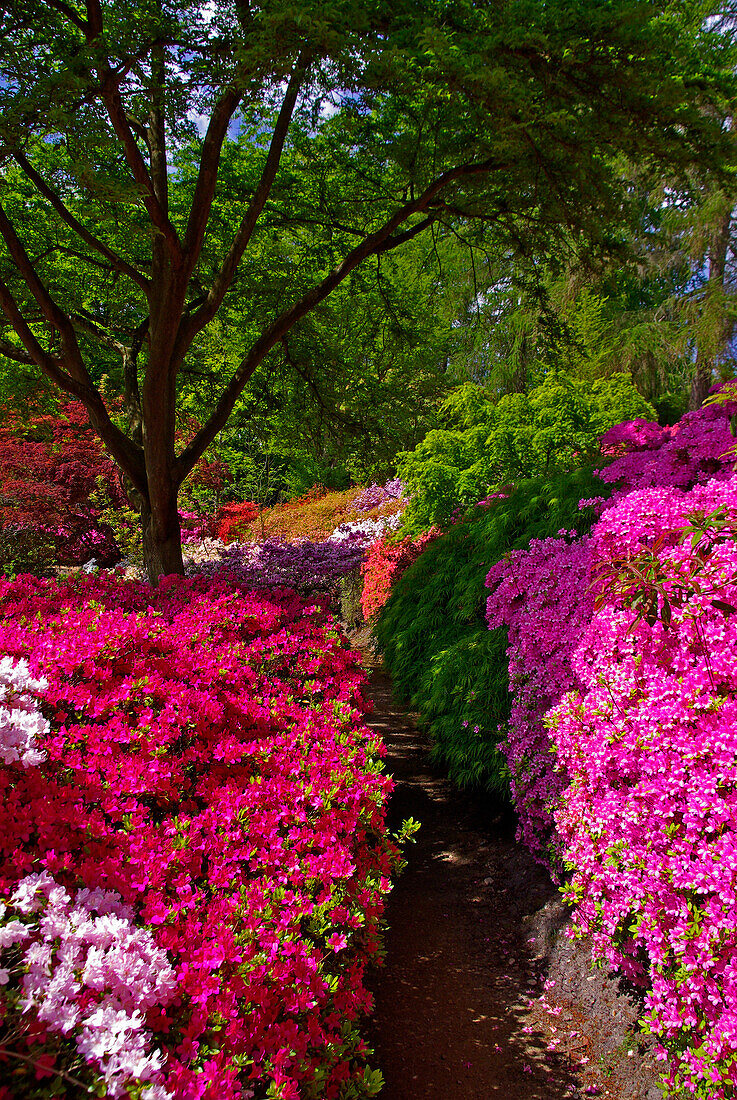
[314, 516]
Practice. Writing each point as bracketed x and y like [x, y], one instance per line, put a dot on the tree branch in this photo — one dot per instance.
[207, 176]
[72, 15]
[88, 325]
[115, 261]
[156, 130]
[289, 317]
[401, 238]
[110, 92]
[10, 351]
[75, 380]
[55, 316]
[224, 277]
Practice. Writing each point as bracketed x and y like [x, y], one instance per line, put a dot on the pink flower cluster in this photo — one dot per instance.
[373, 496]
[366, 532]
[71, 947]
[210, 807]
[699, 447]
[197, 526]
[622, 738]
[648, 819]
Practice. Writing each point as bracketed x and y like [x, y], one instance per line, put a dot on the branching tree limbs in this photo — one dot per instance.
[119, 120]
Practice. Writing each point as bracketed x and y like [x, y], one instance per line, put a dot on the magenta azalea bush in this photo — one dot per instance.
[541, 595]
[622, 739]
[648, 819]
[695, 449]
[193, 853]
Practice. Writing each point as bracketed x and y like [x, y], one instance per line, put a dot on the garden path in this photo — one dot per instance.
[473, 934]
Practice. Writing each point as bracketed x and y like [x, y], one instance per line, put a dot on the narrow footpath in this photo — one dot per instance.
[481, 994]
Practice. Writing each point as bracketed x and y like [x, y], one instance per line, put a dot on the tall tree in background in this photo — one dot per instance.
[710, 233]
[369, 123]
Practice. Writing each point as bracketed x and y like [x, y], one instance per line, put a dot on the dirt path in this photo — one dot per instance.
[462, 1012]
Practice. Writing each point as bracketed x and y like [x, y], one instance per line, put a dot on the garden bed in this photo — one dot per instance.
[193, 854]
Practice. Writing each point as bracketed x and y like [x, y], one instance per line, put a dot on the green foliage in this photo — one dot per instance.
[553, 428]
[671, 407]
[442, 656]
[210, 197]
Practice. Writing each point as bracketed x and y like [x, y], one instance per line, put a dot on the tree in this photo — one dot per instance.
[356, 381]
[366, 124]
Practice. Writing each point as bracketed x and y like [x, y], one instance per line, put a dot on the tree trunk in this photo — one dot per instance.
[706, 361]
[162, 541]
[701, 381]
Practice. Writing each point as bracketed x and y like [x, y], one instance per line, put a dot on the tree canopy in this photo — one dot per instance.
[162, 161]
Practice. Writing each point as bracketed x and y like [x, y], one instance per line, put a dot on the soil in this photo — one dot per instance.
[482, 993]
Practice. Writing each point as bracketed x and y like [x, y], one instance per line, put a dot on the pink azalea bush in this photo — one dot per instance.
[100, 951]
[648, 741]
[622, 739]
[374, 496]
[193, 863]
[197, 526]
[543, 594]
[366, 532]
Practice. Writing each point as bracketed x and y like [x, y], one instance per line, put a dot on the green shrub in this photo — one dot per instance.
[442, 656]
[553, 428]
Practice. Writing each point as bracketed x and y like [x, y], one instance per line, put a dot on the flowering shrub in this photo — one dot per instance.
[101, 950]
[649, 740]
[374, 496]
[192, 878]
[697, 448]
[22, 725]
[366, 531]
[385, 562]
[313, 516]
[233, 518]
[542, 596]
[621, 736]
[196, 526]
[318, 514]
[632, 435]
[306, 566]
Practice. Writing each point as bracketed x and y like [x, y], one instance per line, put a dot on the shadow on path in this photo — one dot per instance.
[453, 999]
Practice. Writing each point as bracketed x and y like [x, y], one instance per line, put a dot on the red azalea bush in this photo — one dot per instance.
[385, 562]
[55, 478]
[193, 855]
[622, 734]
[232, 518]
